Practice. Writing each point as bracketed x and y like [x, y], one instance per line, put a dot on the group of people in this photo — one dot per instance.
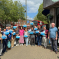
[31, 39]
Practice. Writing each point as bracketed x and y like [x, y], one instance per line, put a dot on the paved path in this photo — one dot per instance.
[30, 52]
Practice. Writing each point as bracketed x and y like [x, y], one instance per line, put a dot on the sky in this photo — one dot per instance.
[32, 7]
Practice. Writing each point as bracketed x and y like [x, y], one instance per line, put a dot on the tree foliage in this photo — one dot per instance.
[40, 16]
[11, 11]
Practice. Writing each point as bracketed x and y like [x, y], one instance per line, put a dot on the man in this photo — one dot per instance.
[53, 37]
[4, 43]
[0, 42]
[39, 36]
[11, 27]
[44, 38]
[6, 28]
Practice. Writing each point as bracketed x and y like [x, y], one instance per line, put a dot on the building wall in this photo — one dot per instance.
[53, 12]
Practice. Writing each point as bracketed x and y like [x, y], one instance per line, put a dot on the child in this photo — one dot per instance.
[26, 38]
[32, 37]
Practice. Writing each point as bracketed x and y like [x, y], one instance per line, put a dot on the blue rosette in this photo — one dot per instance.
[31, 32]
[14, 27]
[35, 28]
[6, 33]
[37, 32]
[42, 33]
[10, 31]
[17, 37]
[31, 23]
[4, 37]
[25, 36]
[24, 25]
[14, 33]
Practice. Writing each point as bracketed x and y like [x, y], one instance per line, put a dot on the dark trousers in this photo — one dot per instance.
[32, 41]
[54, 44]
[4, 45]
[17, 41]
[39, 40]
[35, 39]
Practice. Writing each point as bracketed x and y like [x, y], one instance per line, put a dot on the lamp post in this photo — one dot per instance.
[26, 10]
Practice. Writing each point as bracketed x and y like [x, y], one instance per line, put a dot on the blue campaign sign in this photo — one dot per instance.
[31, 32]
[35, 28]
[24, 25]
[17, 37]
[14, 27]
[42, 33]
[6, 33]
[4, 37]
[25, 36]
[14, 33]
[31, 23]
[10, 31]
[37, 31]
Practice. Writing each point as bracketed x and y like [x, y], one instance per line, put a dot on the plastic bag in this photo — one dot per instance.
[9, 44]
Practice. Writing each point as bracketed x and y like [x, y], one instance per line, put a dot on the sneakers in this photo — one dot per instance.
[21, 44]
[17, 45]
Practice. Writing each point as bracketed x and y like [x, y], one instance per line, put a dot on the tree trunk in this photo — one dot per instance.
[5, 23]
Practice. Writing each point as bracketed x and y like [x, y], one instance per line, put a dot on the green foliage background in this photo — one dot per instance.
[11, 11]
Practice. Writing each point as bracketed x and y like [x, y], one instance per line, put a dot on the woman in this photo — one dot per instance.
[26, 38]
[17, 33]
[21, 33]
[32, 37]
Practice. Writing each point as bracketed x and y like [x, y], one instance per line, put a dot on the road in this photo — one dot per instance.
[30, 52]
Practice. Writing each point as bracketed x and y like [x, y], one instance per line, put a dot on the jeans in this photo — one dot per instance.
[26, 40]
[54, 44]
[39, 40]
[4, 45]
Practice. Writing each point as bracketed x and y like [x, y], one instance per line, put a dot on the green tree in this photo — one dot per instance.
[35, 18]
[40, 16]
[11, 11]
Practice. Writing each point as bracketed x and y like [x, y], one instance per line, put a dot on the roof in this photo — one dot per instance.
[56, 4]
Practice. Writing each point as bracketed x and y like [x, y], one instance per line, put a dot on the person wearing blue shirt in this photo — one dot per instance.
[53, 36]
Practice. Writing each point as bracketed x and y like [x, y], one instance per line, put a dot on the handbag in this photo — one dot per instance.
[9, 44]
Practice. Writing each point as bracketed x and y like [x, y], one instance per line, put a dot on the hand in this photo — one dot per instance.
[56, 38]
[39, 32]
[36, 35]
[48, 38]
